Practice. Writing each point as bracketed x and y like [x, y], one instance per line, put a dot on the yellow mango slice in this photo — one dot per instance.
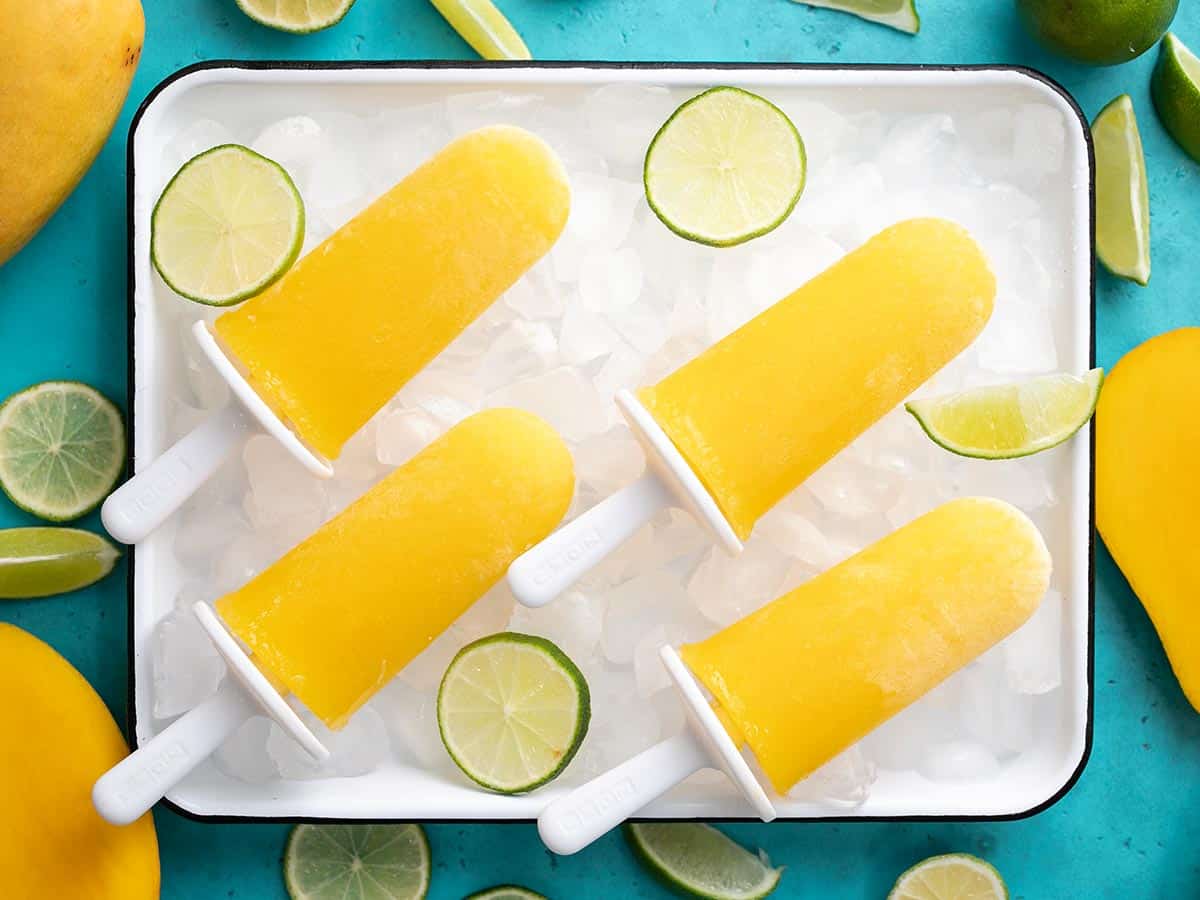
[1148, 488]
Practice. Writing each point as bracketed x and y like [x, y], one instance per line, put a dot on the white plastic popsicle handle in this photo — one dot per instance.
[572, 822]
[126, 791]
[548, 569]
[145, 501]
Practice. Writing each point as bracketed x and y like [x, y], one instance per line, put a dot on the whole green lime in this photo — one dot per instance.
[1098, 32]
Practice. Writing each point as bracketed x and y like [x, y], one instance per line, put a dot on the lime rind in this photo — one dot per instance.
[1122, 194]
[1175, 89]
[43, 562]
[506, 892]
[555, 661]
[74, 478]
[913, 883]
[1010, 402]
[337, 12]
[701, 861]
[484, 27]
[900, 14]
[274, 176]
[706, 234]
[357, 862]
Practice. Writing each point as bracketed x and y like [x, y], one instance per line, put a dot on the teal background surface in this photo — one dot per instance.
[1125, 831]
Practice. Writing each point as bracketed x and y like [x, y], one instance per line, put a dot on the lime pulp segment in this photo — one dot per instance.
[41, 562]
[954, 876]
[1010, 420]
[62, 448]
[296, 16]
[899, 14]
[228, 225]
[512, 710]
[1122, 196]
[357, 862]
[701, 861]
[727, 166]
[1175, 87]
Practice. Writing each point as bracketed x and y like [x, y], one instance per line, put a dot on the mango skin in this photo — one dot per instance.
[56, 739]
[1148, 489]
[65, 68]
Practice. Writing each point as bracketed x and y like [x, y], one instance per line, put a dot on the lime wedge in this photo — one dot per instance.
[954, 876]
[62, 447]
[296, 16]
[483, 26]
[702, 861]
[356, 862]
[1122, 198]
[41, 562]
[898, 14]
[1010, 420]
[227, 225]
[513, 710]
[1175, 87]
[506, 892]
[726, 167]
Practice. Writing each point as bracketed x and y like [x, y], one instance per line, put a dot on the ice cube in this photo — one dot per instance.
[476, 109]
[609, 461]
[992, 713]
[843, 488]
[563, 397]
[573, 621]
[903, 741]
[1019, 338]
[209, 390]
[622, 119]
[475, 339]
[959, 761]
[403, 139]
[602, 210]
[410, 715]
[620, 370]
[1033, 654]
[610, 281]
[401, 434]
[244, 755]
[916, 145]
[519, 351]
[1023, 483]
[205, 530]
[536, 296]
[677, 534]
[987, 136]
[795, 536]
[358, 460]
[187, 668]
[1039, 140]
[640, 327]
[635, 607]
[671, 717]
[845, 780]
[358, 748]
[488, 615]
[191, 140]
[447, 394]
[821, 127]
[585, 335]
[726, 589]
[281, 489]
[648, 669]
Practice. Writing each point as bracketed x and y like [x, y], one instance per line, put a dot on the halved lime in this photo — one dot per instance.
[41, 562]
[62, 447]
[357, 862]
[513, 710]
[1175, 87]
[727, 166]
[899, 14]
[702, 861]
[506, 892]
[1010, 420]
[226, 226]
[1122, 197]
[954, 876]
[296, 16]
[484, 27]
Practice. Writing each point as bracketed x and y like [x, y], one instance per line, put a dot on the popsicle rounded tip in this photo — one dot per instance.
[110, 804]
[558, 838]
[115, 517]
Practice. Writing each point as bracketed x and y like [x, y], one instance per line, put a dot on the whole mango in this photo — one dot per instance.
[65, 68]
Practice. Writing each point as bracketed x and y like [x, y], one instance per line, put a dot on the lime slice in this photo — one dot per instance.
[62, 447]
[726, 167]
[296, 16]
[954, 876]
[512, 710]
[356, 862]
[1010, 420]
[702, 861]
[1122, 198]
[1175, 87]
[41, 562]
[506, 892]
[898, 14]
[227, 225]
[484, 27]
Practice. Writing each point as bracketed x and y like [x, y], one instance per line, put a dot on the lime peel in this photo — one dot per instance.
[484, 27]
[1011, 420]
[899, 14]
[506, 892]
[357, 862]
[1122, 195]
[702, 861]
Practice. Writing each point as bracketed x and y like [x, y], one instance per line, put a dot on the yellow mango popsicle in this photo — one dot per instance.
[811, 673]
[334, 339]
[767, 406]
[344, 611]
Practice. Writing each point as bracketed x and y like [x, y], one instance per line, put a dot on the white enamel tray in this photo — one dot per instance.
[252, 95]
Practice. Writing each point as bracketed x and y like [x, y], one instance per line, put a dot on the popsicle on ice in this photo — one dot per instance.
[334, 619]
[812, 672]
[314, 356]
[743, 424]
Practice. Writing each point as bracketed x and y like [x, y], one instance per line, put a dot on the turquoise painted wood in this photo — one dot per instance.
[1125, 831]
